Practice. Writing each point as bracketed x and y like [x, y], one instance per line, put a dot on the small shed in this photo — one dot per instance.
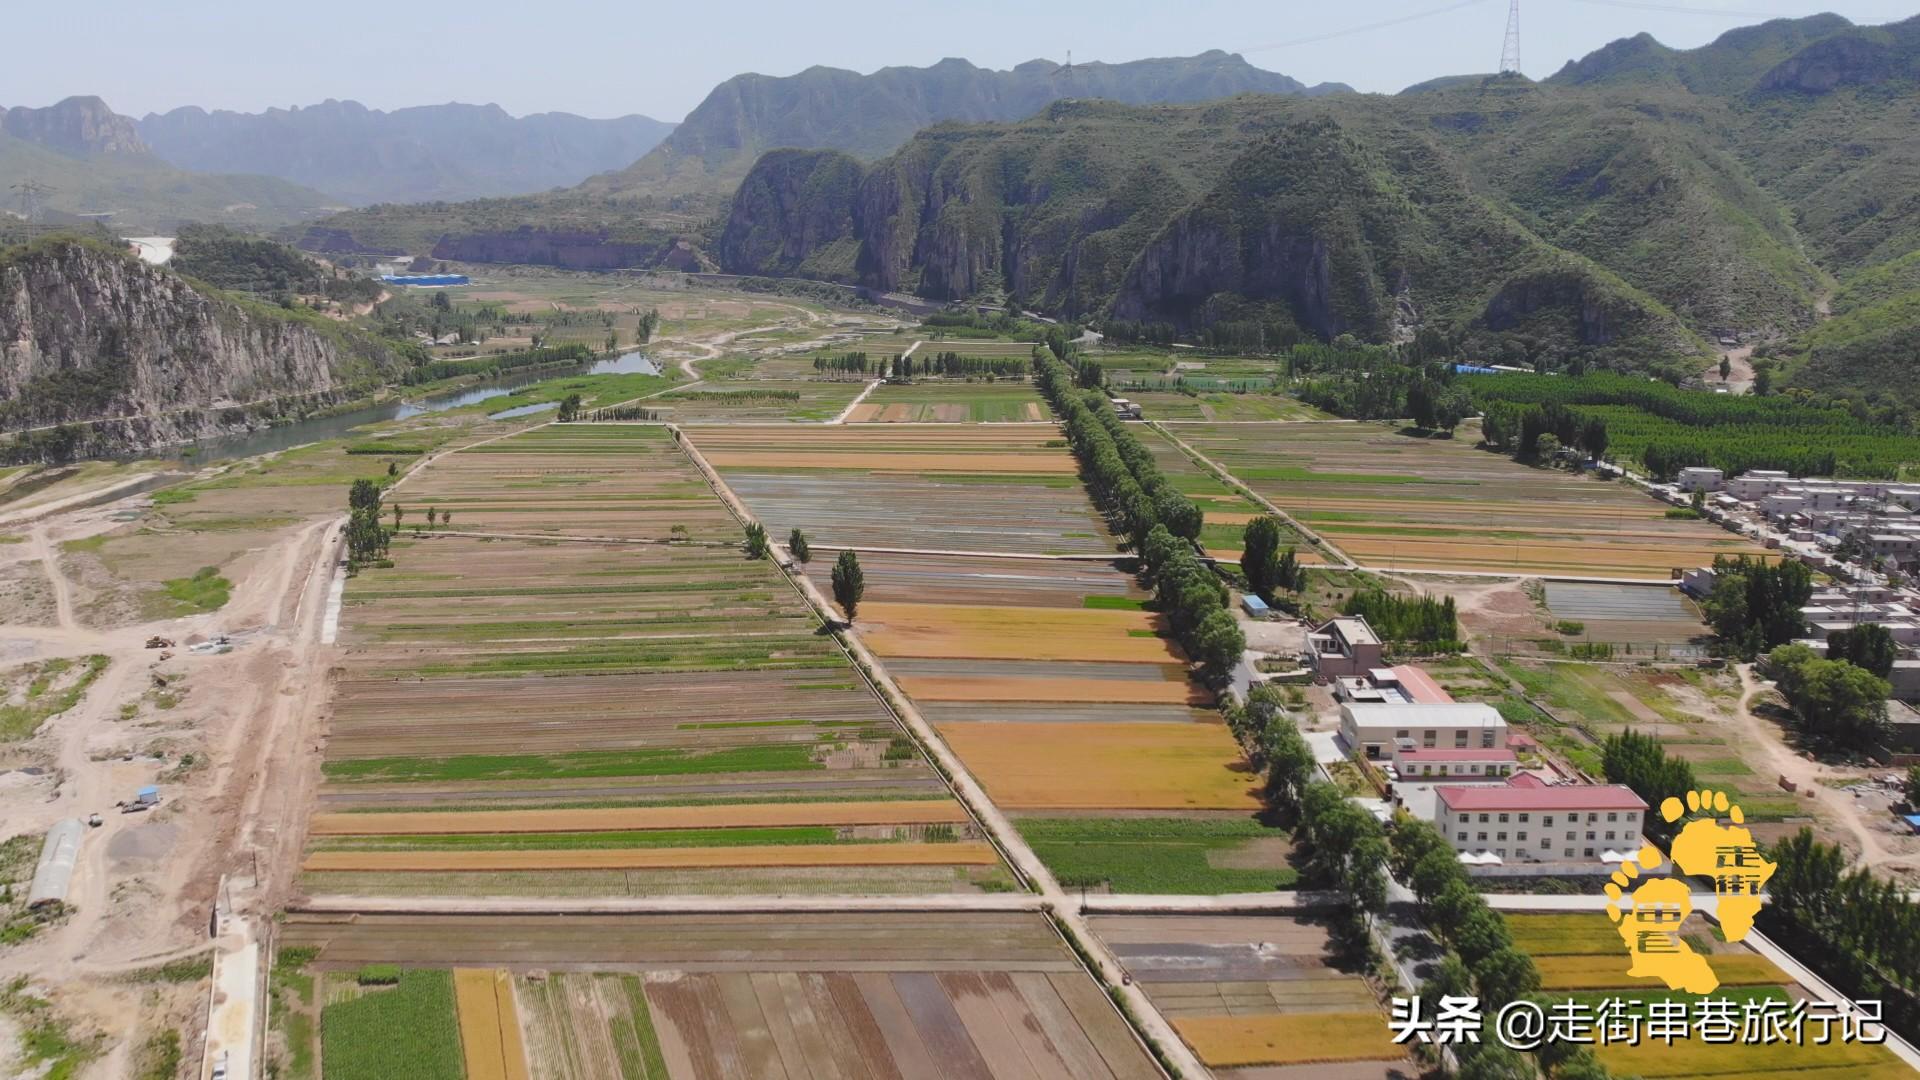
[1255, 607]
[58, 856]
[1913, 822]
[147, 796]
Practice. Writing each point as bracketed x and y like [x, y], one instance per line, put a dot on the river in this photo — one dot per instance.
[339, 425]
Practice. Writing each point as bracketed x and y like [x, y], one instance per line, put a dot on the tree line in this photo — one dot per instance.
[1159, 523]
[573, 353]
[1417, 620]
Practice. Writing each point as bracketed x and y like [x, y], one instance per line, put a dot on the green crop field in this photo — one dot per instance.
[409, 1030]
[1162, 855]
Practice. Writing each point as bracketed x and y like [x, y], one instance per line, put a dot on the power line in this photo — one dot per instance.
[1381, 25]
[1510, 49]
[1681, 9]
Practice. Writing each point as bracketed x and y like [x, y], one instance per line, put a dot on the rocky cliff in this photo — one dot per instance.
[77, 126]
[88, 334]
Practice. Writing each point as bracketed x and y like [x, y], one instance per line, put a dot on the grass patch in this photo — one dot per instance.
[1153, 855]
[594, 841]
[1113, 603]
[206, 590]
[43, 701]
[410, 1030]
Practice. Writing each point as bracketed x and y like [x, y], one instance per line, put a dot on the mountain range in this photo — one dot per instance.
[95, 166]
[1624, 212]
[621, 216]
[434, 152]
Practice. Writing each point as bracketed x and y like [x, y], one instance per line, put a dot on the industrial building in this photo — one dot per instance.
[1441, 764]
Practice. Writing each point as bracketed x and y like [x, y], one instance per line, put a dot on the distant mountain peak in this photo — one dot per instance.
[79, 126]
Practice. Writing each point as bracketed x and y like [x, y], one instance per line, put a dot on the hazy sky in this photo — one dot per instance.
[605, 59]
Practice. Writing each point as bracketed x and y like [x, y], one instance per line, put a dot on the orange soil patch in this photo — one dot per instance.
[1598, 559]
[1216, 517]
[958, 854]
[1303, 556]
[1226, 1042]
[863, 413]
[1146, 765]
[962, 631]
[1125, 691]
[883, 461]
[753, 815]
[490, 1038]
[1034, 415]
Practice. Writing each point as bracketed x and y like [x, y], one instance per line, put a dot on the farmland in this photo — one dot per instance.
[1249, 992]
[1393, 501]
[985, 995]
[991, 489]
[952, 402]
[665, 713]
[1580, 958]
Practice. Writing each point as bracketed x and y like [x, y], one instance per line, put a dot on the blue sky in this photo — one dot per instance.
[605, 59]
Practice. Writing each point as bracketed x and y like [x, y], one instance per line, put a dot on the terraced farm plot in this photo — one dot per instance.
[1221, 405]
[597, 480]
[947, 487]
[1580, 956]
[875, 994]
[1389, 500]
[989, 582]
[1255, 993]
[952, 403]
[670, 717]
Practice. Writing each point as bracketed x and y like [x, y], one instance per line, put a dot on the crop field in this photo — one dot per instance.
[601, 480]
[1178, 856]
[668, 717]
[1007, 401]
[750, 400]
[982, 995]
[1393, 501]
[948, 487]
[1227, 511]
[1580, 957]
[1247, 992]
[1626, 612]
[1126, 765]
[1000, 583]
[1220, 405]
[410, 1029]
[1015, 633]
[490, 1036]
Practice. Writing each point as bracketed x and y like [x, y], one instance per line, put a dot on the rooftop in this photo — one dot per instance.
[1563, 797]
[1420, 686]
[1354, 631]
[1453, 714]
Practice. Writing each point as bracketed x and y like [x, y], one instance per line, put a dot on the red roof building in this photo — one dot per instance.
[1526, 821]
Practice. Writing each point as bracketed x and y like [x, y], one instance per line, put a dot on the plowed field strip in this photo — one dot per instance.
[955, 854]
[932, 460]
[1234, 1041]
[1121, 691]
[1137, 766]
[489, 1025]
[665, 817]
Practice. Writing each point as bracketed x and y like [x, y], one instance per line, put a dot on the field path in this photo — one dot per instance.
[856, 402]
[1068, 916]
[1325, 546]
[62, 590]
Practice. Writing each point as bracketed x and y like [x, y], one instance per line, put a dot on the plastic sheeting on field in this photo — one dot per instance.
[58, 857]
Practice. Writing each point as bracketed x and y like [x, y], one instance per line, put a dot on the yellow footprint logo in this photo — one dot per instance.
[1649, 923]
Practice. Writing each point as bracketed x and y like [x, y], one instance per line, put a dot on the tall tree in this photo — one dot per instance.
[849, 582]
[1868, 646]
[1259, 543]
[756, 541]
[797, 543]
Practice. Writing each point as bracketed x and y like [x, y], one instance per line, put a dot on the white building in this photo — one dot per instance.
[1417, 764]
[1376, 729]
[1525, 820]
[1702, 478]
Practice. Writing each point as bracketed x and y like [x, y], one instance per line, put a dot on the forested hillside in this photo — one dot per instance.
[1626, 212]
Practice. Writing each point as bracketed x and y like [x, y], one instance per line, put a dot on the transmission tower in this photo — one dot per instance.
[30, 192]
[1510, 50]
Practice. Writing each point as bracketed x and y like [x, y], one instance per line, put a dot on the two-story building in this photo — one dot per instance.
[1527, 820]
[1376, 730]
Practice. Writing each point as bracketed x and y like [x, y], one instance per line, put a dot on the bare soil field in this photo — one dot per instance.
[990, 582]
[597, 480]
[1256, 992]
[952, 402]
[904, 854]
[490, 1036]
[1393, 501]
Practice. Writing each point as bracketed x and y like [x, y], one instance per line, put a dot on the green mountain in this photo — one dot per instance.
[624, 217]
[95, 166]
[1639, 201]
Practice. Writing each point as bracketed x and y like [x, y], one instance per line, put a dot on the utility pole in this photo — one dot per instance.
[30, 192]
[1510, 50]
